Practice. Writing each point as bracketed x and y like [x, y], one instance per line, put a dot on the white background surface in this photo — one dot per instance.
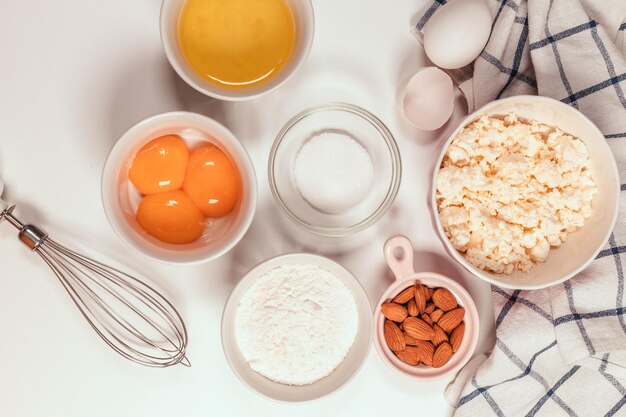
[74, 76]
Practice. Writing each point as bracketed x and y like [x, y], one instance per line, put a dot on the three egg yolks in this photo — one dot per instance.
[180, 188]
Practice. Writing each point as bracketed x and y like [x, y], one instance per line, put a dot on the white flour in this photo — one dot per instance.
[296, 324]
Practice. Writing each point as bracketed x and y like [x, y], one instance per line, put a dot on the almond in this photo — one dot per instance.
[444, 299]
[430, 307]
[410, 355]
[412, 308]
[451, 319]
[394, 312]
[393, 336]
[409, 340]
[429, 293]
[404, 296]
[456, 337]
[440, 336]
[442, 355]
[427, 319]
[426, 351]
[436, 315]
[420, 297]
[418, 328]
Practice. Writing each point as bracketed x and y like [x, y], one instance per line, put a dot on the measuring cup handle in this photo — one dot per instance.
[402, 267]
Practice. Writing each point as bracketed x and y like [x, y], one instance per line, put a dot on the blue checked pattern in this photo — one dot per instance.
[559, 351]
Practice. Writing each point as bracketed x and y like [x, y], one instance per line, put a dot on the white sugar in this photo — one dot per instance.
[296, 324]
[333, 172]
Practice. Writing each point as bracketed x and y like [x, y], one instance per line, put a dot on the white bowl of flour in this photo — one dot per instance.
[297, 327]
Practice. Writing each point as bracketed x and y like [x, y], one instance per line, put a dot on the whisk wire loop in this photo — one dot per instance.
[105, 271]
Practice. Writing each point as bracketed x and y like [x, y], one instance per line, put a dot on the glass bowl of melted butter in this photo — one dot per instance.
[236, 49]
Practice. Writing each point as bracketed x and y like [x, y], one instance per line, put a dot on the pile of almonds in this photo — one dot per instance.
[424, 325]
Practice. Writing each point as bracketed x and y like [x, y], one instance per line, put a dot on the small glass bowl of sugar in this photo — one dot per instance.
[334, 169]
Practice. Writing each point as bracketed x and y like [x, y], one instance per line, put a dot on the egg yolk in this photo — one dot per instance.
[212, 181]
[160, 165]
[171, 217]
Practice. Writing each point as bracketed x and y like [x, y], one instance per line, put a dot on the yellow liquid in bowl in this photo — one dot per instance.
[237, 43]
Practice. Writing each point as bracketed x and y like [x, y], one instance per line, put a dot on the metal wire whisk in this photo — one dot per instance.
[129, 315]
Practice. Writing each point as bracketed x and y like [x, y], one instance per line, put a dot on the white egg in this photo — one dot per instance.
[428, 99]
[457, 33]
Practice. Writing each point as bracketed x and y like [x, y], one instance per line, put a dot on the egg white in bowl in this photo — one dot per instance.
[582, 244]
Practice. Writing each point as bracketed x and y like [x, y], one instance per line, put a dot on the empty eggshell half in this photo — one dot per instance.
[428, 99]
[457, 33]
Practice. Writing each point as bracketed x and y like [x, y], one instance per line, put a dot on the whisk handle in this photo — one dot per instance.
[29, 235]
[32, 236]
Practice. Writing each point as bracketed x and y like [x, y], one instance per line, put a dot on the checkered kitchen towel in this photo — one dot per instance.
[559, 351]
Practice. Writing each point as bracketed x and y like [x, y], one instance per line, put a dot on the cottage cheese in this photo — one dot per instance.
[296, 324]
[508, 190]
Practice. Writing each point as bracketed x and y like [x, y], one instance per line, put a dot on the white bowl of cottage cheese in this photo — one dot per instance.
[297, 327]
[525, 192]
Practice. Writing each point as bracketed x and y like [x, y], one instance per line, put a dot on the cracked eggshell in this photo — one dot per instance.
[428, 99]
[457, 33]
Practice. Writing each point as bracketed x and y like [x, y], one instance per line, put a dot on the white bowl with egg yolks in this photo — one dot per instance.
[304, 21]
[120, 198]
[581, 246]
